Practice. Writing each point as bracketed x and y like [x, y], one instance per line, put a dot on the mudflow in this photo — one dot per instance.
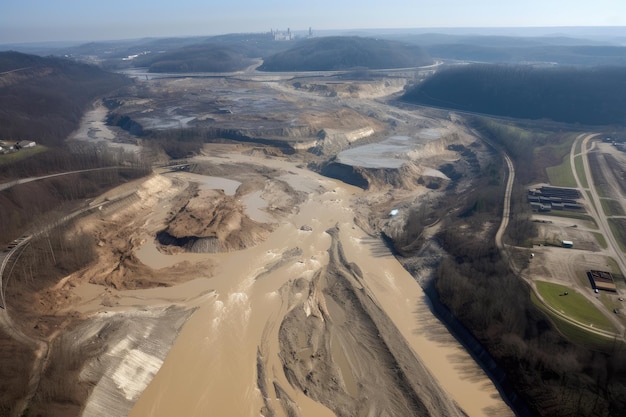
[289, 307]
[313, 318]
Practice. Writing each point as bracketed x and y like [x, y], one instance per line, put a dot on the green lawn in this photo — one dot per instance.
[573, 305]
[580, 171]
[572, 332]
[611, 207]
[562, 175]
[578, 147]
[618, 227]
[601, 240]
[21, 154]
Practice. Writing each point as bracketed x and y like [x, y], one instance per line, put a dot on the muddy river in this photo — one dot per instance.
[93, 129]
[213, 367]
[227, 360]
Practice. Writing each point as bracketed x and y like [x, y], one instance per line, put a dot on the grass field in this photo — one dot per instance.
[614, 269]
[601, 240]
[593, 202]
[618, 227]
[611, 207]
[573, 305]
[578, 148]
[22, 154]
[572, 332]
[572, 215]
[610, 302]
[562, 175]
[580, 171]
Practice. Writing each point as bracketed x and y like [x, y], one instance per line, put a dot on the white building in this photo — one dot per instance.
[27, 144]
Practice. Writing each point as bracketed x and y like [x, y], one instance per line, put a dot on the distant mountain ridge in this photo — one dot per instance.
[197, 58]
[225, 53]
[342, 53]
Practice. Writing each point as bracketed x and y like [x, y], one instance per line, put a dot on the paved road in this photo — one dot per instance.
[595, 205]
[41, 347]
[5, 185]
[4, 259]
[506, 214]
[15, 70]
[251, 73]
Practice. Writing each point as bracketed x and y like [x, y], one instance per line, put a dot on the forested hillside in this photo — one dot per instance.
[197, 58]
[591, 96]
[340, 53]
[43, 99]
[583, 55]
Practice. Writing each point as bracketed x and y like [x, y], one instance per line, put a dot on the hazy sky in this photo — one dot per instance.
[84, 20]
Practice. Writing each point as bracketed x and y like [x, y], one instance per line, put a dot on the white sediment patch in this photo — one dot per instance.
[239, 306]
[135, 372]
[430, 172]
[135, 345]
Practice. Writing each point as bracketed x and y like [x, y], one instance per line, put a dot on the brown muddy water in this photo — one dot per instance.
[212, 368]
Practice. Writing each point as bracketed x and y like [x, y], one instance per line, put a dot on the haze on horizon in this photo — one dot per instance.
[75, 20]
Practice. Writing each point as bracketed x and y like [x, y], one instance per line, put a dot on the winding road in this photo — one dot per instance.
[41, 347]
[590, 195]
[5, 185]
[600, 219]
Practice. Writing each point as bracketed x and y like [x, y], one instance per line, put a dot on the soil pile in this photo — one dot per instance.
[213, 222]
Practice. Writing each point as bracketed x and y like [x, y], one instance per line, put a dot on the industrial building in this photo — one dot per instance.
[602, 280]
[547, 198]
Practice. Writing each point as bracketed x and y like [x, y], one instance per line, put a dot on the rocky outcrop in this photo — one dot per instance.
[333, 141]
[409, 176]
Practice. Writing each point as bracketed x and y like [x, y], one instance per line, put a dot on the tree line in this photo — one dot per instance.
[208, 57]
[554, 376]
[21, 206]
[586, 55]
[46, 99]
[589, 96]
[346, 52]
[474, 281]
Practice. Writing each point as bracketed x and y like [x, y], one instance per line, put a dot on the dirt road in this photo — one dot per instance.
[599, 216]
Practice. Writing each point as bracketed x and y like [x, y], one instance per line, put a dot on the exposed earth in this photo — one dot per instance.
[241, 281]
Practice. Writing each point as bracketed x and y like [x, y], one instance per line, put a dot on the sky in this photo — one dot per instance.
[89, 20]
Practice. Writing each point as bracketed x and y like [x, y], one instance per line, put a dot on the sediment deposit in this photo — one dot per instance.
[269, 282]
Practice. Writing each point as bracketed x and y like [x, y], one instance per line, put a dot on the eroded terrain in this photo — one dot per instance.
[313, 313]
[255, 285]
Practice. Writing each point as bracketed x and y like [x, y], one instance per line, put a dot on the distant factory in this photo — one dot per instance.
[288, 35]
[282, 36]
